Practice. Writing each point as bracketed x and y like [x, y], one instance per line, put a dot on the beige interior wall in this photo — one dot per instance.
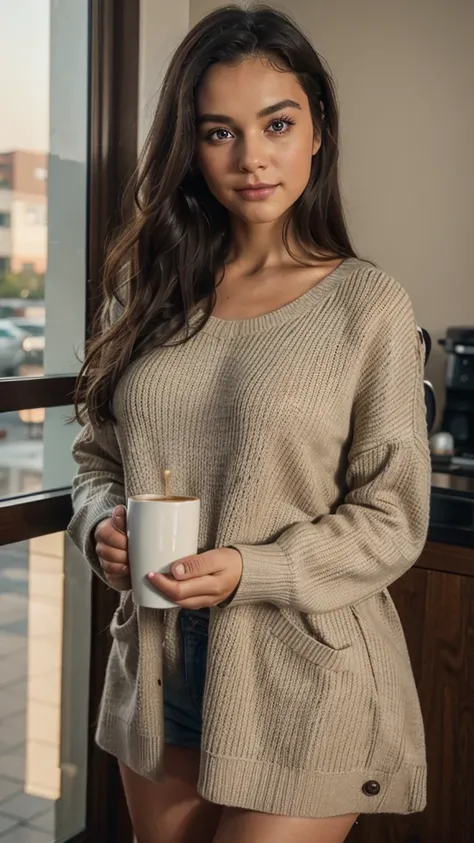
[404, 71]
[162, 26]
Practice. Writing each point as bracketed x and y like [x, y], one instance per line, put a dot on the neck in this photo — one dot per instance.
[259, 247]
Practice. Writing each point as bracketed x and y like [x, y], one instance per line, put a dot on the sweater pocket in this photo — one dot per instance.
[309, 647]
[124, 631]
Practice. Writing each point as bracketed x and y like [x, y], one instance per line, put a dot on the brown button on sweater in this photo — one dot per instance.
[303, 433]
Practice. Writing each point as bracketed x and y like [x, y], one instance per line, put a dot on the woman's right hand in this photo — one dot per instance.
[111, 548]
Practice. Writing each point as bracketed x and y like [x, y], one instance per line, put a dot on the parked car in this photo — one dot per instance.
[12, 353]
[33, 343]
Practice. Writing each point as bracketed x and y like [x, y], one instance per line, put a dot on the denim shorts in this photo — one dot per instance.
[183, 694]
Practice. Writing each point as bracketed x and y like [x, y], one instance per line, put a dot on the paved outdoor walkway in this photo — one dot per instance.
[24, 818]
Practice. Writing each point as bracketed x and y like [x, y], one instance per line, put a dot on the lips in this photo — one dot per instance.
[258, 186]
[257, 192]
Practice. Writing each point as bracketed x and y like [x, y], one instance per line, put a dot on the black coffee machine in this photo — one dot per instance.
[458, 415]
[452, 478]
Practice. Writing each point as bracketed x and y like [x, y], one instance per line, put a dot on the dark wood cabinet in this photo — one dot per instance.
[435, 600]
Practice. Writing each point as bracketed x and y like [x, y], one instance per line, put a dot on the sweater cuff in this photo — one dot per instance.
[82, 527]
[266, 576]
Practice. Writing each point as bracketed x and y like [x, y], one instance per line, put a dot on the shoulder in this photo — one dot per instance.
[368, 287]
[372, 300]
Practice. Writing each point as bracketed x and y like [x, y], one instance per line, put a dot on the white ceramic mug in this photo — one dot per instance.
[160, 530]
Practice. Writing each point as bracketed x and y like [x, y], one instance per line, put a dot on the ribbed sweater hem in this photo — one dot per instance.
[272, 789]
[141, 753]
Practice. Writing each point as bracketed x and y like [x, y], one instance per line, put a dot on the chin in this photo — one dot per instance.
[259, 213]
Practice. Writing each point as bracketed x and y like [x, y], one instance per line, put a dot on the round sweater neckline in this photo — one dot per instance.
[256, 324]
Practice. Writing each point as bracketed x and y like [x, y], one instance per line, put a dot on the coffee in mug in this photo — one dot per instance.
[160, 530]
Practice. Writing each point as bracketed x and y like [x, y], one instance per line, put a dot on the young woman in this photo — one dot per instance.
[246, 347]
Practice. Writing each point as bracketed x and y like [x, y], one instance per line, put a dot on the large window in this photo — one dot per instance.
[43, 247]
[68, 98]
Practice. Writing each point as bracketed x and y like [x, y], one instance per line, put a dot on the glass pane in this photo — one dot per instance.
[44, 658]
[35, 450]
[43, 181]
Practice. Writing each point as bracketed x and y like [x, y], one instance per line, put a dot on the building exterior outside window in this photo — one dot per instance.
[23, 210]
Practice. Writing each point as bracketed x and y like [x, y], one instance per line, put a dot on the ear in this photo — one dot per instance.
[318, 130]
[316, 143]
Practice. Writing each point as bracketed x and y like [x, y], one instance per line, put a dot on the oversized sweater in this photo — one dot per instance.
[303, 433]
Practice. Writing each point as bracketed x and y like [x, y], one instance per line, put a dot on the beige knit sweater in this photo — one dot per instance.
[303, 433]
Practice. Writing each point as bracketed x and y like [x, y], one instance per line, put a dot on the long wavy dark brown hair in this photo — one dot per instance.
[171, 255]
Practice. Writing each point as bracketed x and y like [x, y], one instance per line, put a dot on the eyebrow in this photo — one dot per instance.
[265, 112]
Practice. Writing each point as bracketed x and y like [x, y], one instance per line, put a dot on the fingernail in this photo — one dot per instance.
[179, 570]
[150, 576]
[118, 518]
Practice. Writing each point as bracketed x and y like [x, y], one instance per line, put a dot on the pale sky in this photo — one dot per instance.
[24, 74]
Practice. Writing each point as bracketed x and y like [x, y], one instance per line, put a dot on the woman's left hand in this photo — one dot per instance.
[203, 580]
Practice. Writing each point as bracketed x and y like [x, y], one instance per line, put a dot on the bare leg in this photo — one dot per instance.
[237, 826]
[171, 811]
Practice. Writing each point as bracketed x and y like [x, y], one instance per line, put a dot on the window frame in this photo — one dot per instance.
[113, 114]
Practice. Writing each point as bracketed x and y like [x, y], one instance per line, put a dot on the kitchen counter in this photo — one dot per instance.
[452, 505]
[456, 481]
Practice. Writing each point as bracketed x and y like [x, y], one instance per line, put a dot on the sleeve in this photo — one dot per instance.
[97, 488]
[380, 528]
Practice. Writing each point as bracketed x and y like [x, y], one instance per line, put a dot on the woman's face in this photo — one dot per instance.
[254, 128]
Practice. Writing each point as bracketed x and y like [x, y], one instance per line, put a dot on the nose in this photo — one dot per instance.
[252, 155]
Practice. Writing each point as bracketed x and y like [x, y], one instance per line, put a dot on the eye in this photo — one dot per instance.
[219, 135]
[281, 125]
